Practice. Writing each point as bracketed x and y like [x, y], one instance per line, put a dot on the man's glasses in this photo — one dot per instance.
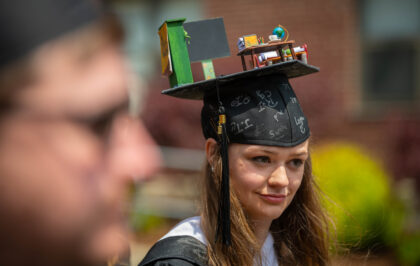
[101, 124]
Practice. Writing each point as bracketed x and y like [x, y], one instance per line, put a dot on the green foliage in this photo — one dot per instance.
[145, 223]
[358, 197]
[408, 249]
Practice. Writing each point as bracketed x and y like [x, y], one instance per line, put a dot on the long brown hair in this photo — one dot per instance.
[300, 233]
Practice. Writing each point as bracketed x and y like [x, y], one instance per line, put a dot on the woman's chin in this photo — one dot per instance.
[268, 212]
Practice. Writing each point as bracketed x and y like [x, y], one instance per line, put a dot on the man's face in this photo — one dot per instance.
[63, 168]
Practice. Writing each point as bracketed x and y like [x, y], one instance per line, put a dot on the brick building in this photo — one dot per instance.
[368, 90]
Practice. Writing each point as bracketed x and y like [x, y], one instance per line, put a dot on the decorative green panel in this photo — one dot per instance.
[181, 65]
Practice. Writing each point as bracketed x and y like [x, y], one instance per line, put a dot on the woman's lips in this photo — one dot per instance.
[273, 198]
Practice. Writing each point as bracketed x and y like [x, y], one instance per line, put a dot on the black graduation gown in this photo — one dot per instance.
[176, 251]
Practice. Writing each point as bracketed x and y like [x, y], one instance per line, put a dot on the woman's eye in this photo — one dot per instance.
[296, 163]
[261, 159]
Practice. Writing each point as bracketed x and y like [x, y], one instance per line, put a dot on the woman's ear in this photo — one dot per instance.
[210, 147]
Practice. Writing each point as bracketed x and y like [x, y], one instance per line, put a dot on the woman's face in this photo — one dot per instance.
[266, 178]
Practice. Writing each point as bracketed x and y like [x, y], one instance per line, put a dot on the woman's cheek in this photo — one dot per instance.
[295, 183]
[255, 181]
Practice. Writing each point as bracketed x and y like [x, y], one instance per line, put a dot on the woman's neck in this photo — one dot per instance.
[261, 229]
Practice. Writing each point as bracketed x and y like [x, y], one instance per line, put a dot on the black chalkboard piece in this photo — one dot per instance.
[208, 39]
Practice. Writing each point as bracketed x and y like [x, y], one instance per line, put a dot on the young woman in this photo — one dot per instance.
[257, 137]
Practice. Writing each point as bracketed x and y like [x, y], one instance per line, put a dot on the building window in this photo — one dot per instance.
[141, 21]
[391, 51]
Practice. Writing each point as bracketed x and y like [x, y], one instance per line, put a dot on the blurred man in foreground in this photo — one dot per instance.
[67, 145]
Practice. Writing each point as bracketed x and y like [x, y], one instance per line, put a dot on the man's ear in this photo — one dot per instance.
[210, 148]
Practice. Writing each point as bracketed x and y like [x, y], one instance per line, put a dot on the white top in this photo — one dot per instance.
[192, 227]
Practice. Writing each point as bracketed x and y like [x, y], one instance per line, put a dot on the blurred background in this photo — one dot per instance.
[363, 108]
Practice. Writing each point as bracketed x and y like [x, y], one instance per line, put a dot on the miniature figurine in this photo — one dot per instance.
[281, 32]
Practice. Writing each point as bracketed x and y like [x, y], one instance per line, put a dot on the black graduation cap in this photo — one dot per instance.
[24, 25]
[259, 104]
[256, 106]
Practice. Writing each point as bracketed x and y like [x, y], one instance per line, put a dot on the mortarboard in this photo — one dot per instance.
[256, 106]
[25, 25]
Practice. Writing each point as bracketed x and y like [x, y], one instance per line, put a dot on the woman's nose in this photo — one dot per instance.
[132, 151]
[279, 177]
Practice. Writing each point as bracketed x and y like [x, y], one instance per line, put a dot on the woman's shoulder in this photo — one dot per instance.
[188, 227]
[179, 250]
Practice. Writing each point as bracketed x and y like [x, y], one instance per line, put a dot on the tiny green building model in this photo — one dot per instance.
[174, 53]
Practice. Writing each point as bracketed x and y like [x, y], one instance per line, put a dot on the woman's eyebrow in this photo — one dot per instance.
[255, 149]
[273, 151]
[300, 153]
